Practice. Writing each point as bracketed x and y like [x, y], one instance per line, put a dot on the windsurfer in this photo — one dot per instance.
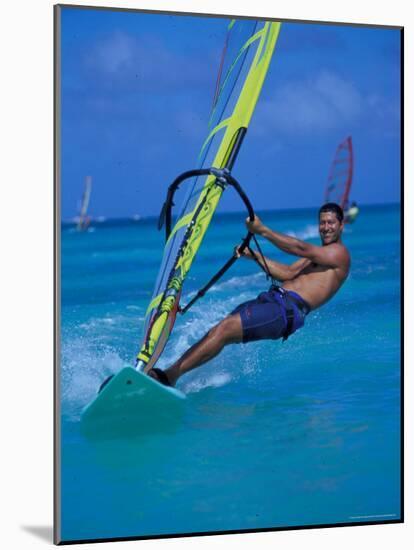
[351, 213]
[308, 283]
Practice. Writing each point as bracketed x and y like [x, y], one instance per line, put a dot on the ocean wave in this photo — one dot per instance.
[251, 284]
[258, 279]
[311, 231]
[368, 269]
[123, 323]
[84, 366]
[215, 380]
[134, 307]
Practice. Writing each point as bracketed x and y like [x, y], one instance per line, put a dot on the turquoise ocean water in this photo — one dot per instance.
[275, 434]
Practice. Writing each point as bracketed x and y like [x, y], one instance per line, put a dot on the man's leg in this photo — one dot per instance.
[228, 331]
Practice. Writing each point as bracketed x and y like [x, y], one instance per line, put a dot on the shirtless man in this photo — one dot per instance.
[306, 284]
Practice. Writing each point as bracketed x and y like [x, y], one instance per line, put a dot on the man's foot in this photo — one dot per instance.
[160, 376]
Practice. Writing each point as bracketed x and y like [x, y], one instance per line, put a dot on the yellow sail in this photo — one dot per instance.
[249, 48]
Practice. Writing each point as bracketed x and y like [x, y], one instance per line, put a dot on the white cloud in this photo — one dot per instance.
[312, 106]
[384, 109]
[144, 61]
[112, 55]
[341, 95]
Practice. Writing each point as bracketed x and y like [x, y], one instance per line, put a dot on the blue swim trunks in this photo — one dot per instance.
[274, 314]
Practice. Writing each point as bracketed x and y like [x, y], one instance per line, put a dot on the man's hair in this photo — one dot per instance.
[334, 208]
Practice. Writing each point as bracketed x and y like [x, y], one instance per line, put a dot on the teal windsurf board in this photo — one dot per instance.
[132, 402]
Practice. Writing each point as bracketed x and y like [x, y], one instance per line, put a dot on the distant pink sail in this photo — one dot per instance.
[340, 176]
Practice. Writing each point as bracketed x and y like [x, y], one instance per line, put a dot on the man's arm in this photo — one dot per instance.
[279, 271]
[330, 256]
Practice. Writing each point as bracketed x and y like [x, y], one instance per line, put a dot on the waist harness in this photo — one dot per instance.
[289, 302]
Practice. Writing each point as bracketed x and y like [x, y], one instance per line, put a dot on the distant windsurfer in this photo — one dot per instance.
[351, 213]
[306, 284]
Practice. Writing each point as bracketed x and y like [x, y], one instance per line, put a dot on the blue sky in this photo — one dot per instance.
[137, 90]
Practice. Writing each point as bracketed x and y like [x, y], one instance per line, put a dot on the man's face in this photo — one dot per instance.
[330, 228]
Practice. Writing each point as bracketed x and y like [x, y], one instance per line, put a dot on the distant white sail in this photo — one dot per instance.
[84, 220]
